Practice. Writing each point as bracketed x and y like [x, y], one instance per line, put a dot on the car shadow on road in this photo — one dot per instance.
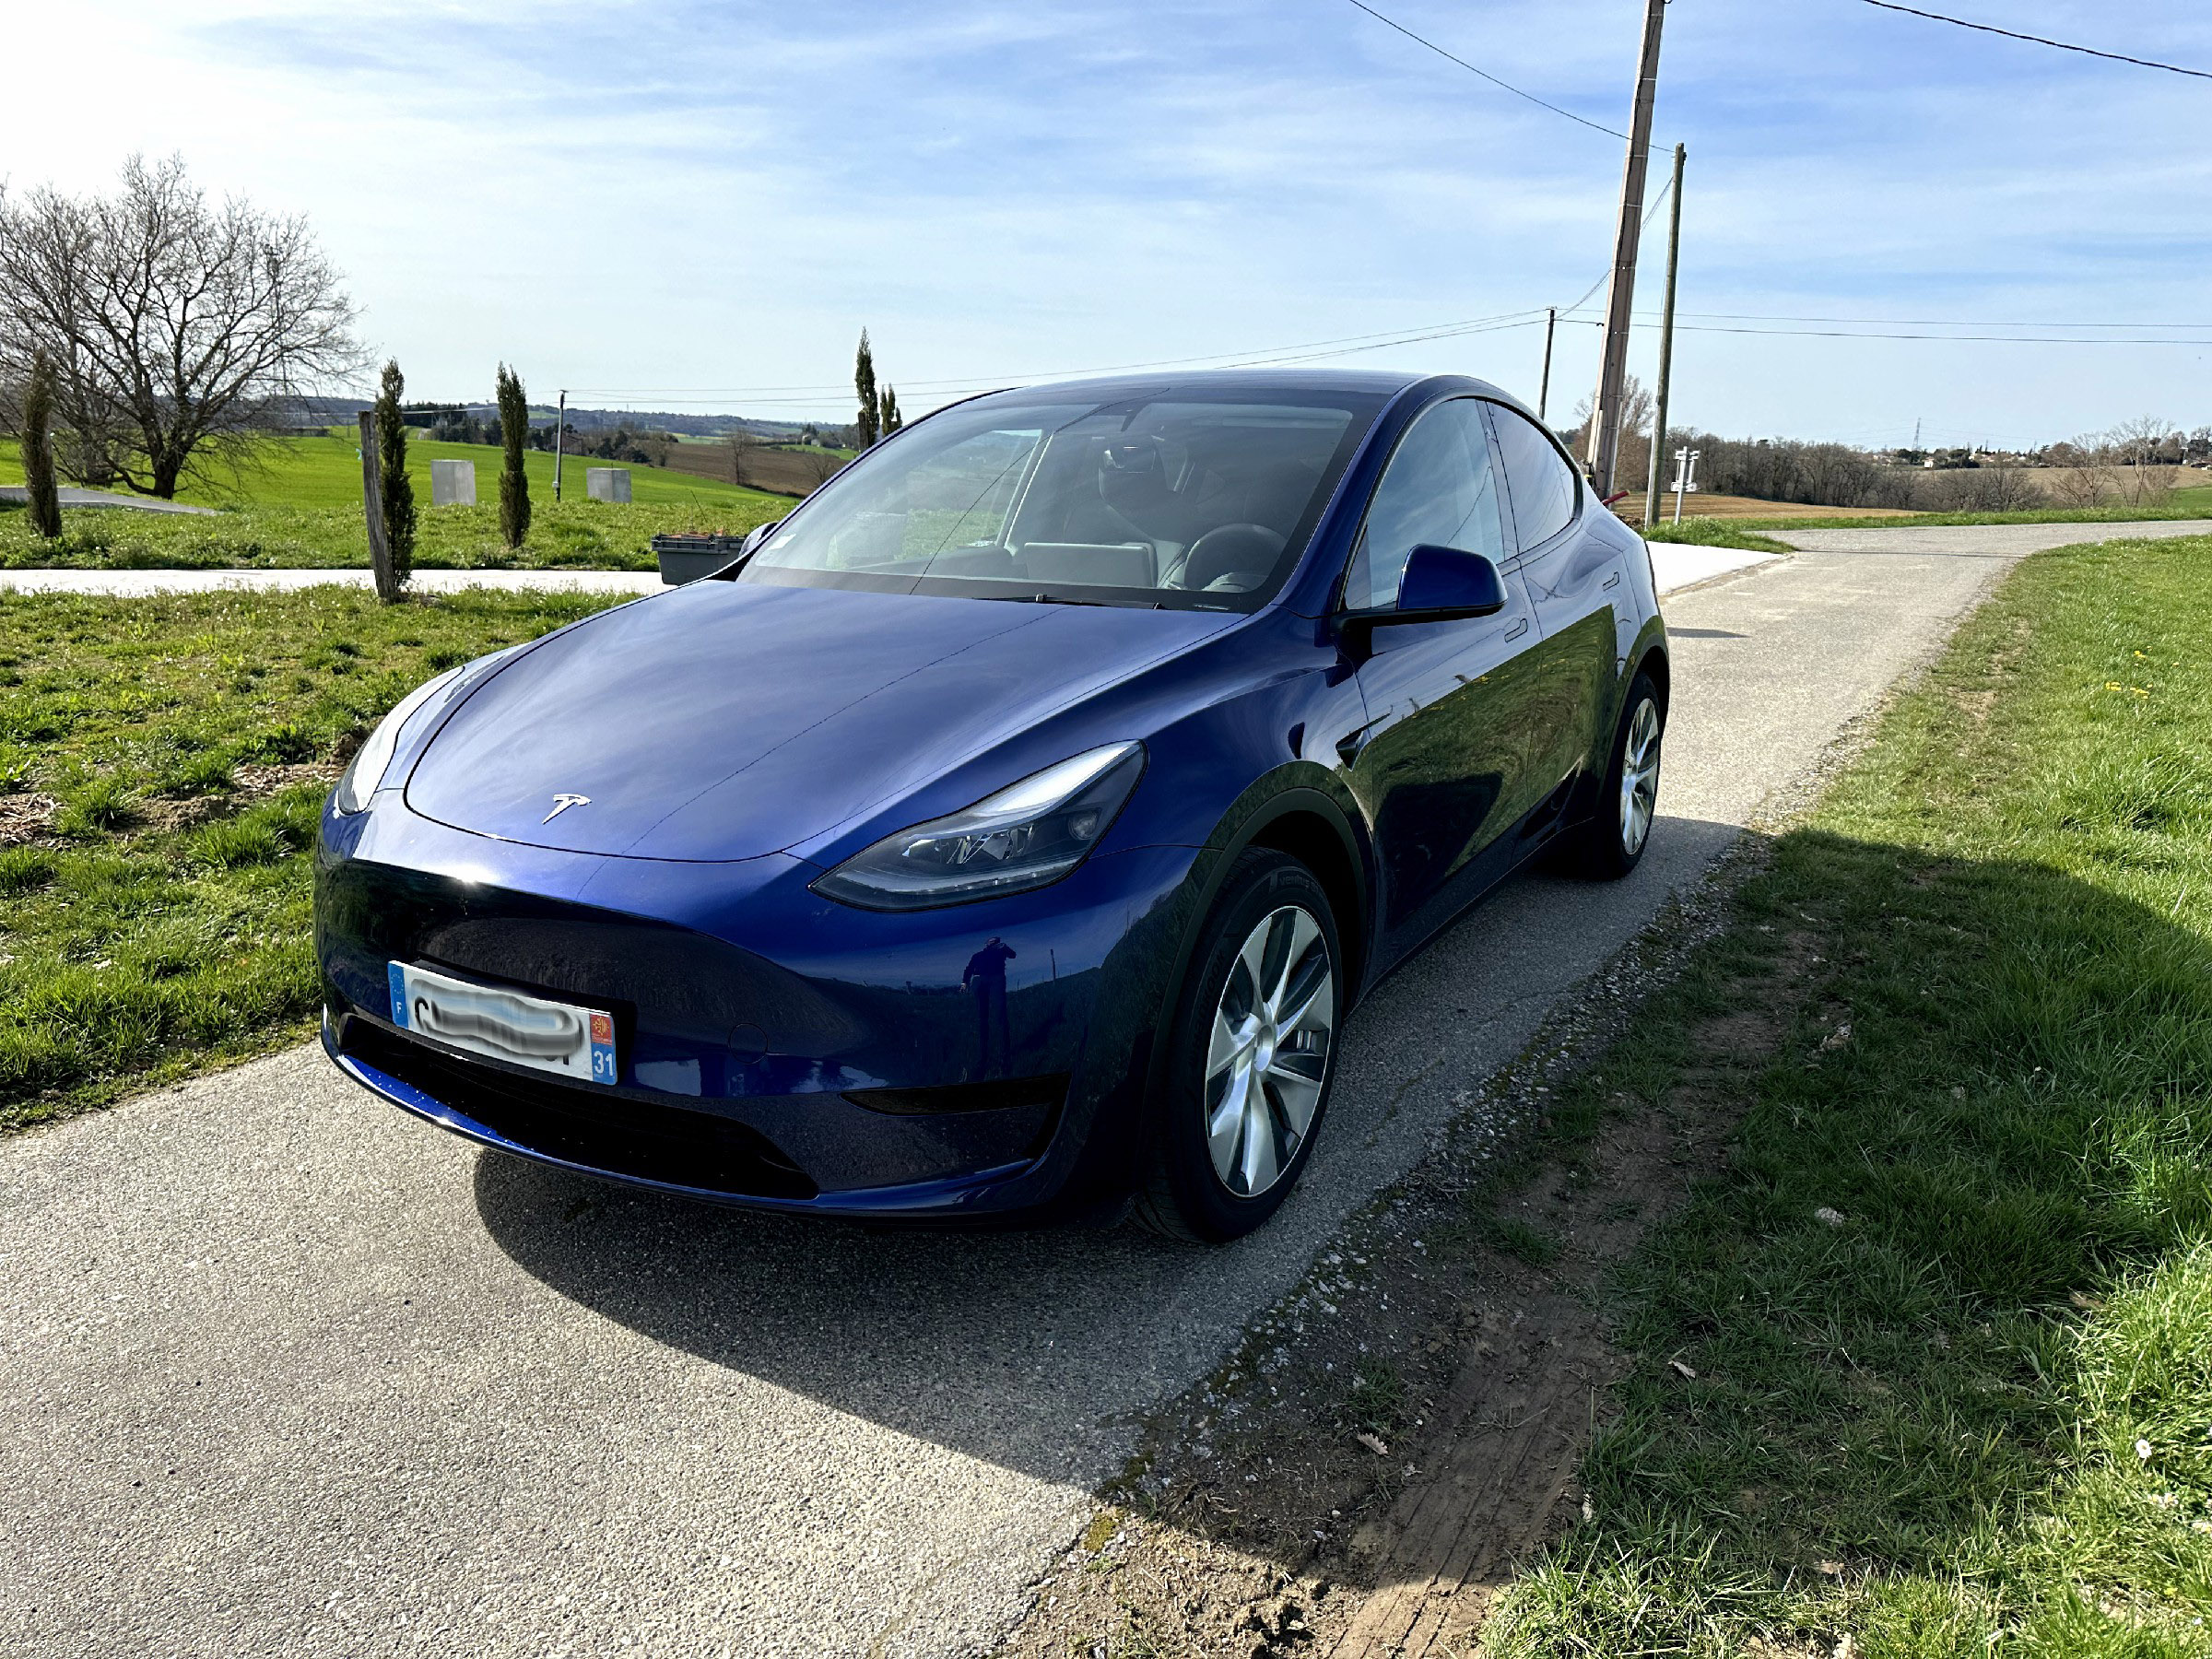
[1039, 1349]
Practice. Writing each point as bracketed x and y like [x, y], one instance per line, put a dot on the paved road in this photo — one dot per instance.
[290, 1373]
[70, 496]
[1977, 540]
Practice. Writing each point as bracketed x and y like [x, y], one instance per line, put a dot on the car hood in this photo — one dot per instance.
[729, 720]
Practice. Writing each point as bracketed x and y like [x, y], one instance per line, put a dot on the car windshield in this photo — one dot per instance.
[1183, 501]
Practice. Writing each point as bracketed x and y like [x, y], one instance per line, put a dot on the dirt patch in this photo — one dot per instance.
[166, 813]
[249, 783]
[26, 820]
[1368, 1468]
[254, 783]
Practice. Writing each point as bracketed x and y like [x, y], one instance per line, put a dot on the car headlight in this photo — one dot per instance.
[1027, 835]
[366, 775]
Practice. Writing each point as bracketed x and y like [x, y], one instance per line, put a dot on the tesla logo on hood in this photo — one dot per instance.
[561, 803]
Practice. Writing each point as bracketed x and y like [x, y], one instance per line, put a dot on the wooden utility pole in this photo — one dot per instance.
[1551, 326]
[561, 429]
[1612, 375]
[372, 501]
[1666, 341]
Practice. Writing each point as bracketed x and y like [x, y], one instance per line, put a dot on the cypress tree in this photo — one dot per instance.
[38, 454]
[514, 430]
[392, 472]
[892, 419]
[870, 422]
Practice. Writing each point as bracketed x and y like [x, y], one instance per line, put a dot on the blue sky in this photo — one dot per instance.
[706, 202]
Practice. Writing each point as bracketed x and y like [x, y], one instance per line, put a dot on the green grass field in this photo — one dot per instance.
[1943, 1318]
[304, 509]
[163, 765]
[326, 471]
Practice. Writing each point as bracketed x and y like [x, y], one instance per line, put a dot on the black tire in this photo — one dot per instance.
[1184, 1198]
[1601, 849]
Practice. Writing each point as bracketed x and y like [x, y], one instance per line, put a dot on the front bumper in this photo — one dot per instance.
[775, 1049]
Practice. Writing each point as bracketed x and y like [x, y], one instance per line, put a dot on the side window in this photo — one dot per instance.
[1439, 487]
[1537, 478]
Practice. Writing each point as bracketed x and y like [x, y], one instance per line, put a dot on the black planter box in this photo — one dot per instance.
[689, 557]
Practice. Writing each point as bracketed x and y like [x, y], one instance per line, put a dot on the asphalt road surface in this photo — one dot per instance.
[289, 1372]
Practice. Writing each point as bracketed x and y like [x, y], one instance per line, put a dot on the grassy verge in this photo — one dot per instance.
[1928, 1364]
[1714, 532]
[163, 765]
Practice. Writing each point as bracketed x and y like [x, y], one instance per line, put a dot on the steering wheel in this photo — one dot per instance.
[1248, 550]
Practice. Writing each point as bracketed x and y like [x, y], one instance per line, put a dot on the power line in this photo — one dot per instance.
[1924, 321]
[1857, 328]
[1822, 333]
[2010, 34]
[1486, 75]
[1888, 322]
[1245, 358]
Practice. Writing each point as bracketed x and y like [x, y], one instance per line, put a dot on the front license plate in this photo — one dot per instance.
[553, 1037]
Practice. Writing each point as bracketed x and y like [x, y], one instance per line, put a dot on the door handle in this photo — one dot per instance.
[1612, 581]
[1351, 743]
[1517, 629]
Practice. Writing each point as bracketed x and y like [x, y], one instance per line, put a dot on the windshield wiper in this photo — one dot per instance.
[1057, 599]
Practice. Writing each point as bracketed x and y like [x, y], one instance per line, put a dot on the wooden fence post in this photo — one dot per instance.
[373, 502]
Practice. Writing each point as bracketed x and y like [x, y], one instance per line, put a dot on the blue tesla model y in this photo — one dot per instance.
[1010, 828]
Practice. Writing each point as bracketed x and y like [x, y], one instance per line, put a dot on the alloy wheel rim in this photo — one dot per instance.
[1640, 777]
[1269, 1052]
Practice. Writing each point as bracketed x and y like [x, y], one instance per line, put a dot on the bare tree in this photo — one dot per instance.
[1982, 490]
[2131, 452]
[176, 328]
[1633, 465]
[741, 445]
[2140, 441]
[820, 465]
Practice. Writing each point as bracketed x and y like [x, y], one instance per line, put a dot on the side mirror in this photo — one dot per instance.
[756, 534]
[1441, 583]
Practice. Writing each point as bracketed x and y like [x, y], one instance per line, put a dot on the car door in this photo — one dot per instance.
[1437, 767]
[1572, 554]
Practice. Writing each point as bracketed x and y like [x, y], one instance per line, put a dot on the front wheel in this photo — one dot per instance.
[1252, 1056]
[1612, 842]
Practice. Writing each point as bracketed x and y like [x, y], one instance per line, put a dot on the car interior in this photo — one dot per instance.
[1175, 497]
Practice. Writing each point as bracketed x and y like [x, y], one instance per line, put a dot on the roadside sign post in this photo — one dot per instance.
[373, 502]
[1685, 477]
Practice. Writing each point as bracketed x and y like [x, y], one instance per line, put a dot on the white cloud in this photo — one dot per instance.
[694, 196]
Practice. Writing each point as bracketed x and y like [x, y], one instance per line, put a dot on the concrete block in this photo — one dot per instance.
[607, 483]
[452, 483]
